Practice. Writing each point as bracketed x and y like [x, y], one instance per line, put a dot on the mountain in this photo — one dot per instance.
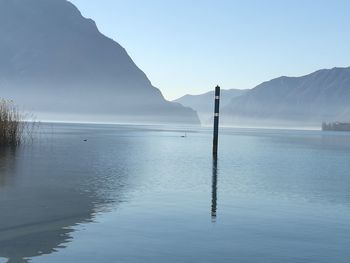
[308, 100]
[204, 103]
[56, 63]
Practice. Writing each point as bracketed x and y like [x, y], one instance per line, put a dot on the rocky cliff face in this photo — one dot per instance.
[55, 62]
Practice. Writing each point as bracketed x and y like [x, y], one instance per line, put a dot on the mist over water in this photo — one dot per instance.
[148, 189]
[132, 193]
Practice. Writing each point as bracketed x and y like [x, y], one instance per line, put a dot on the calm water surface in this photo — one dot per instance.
[144, 194]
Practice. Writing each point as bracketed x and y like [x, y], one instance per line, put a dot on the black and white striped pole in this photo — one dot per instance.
[216, 121]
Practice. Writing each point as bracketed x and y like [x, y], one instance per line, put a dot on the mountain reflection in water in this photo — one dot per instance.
[46, 191]
[272, 196]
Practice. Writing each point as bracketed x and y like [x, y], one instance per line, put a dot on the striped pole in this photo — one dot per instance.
[216, 121]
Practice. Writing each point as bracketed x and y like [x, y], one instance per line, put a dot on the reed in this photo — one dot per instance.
[12, 124]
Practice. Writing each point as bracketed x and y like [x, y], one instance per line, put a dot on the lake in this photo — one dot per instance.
[144, 194]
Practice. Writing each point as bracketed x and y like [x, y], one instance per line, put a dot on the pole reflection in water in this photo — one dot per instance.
[214, 190]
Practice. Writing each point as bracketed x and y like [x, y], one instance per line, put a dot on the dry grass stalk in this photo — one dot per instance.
[12, 124]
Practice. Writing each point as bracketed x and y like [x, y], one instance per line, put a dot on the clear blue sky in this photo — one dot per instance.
[189, 46]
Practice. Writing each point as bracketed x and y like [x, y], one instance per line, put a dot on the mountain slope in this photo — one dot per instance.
[204, 103]
[55, 62]
[321, 96]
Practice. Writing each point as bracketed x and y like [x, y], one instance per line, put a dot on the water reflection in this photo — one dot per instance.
[45, 233]
[45, 193]
[22, 243]
[33, 221]
[214, 189]
[7, 164]
[46, 190]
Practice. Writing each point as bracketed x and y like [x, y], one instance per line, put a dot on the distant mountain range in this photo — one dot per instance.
[308, 100]
[322, 96]
[55, 63]
[204, 103]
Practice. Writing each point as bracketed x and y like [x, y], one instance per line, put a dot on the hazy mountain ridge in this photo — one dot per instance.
[54, 61]
[320, 96]
[204, 103]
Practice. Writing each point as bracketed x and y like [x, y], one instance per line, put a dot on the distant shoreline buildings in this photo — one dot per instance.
[336, 126]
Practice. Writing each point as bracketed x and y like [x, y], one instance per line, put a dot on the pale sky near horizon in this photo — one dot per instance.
[187, 47]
